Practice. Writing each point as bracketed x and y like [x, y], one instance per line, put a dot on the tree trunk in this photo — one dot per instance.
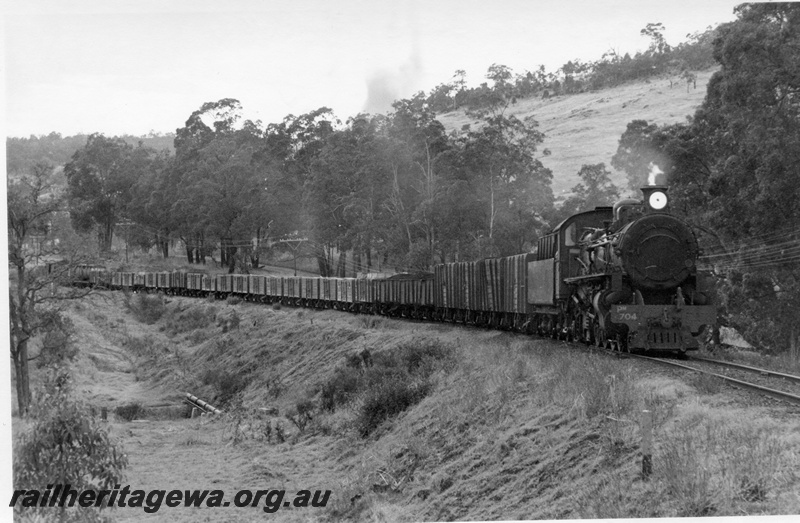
[19, 333]
[22, 374]
[106, 235]
[200, 249]
[189, 250]
[341, 270]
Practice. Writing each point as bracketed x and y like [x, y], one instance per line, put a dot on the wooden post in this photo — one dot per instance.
[104, 413]
[647, 443]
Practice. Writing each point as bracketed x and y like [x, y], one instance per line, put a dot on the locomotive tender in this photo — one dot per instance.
[624, 277]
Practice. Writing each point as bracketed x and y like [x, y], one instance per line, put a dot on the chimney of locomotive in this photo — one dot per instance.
[655, 198]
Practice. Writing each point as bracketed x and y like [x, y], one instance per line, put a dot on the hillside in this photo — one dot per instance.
[510, 427]
[585, 128]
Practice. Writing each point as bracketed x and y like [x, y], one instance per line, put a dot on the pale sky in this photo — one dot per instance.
[134, 66]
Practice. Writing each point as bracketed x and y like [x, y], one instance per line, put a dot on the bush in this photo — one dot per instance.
[233, 300]
[57, 344]
[227, 384]
[67, 443]
[418, 356]
[301, 414]
[194, 318]
[146, 308]
[388, 398]
[129, 412]
[389, 382]
[340, 388]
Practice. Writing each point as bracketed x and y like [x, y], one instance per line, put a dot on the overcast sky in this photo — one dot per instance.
[134, 66]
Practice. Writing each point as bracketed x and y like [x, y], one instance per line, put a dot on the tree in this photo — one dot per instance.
[67, 446]
[596, 189]
[511, 184]
[658, 44]
[749, 130]
[99, 181]
[459, 84]
[222, 175]
[636, 154]
[151, 218]
[33, 206]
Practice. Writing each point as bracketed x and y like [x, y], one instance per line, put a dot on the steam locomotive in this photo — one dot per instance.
[623, 277]
[626, 276]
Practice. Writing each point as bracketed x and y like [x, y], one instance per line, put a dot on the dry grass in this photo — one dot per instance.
[510, 428]
[585, 128]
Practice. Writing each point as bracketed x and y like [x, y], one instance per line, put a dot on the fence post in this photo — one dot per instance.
[647, 443]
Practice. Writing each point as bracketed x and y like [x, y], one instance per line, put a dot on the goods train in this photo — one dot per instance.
[622, 277]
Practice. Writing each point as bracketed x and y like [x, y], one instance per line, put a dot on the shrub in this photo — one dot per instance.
[389, 382]
[301, 414]
[420, 356]
[129, 412]
[233, 300]
[57, 343]
[340, 388]
[65, 442]
[388, 398]
[194, 318]
[227, 384]
[146, 308]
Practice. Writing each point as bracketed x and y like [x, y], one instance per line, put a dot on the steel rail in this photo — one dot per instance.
[766, 372]
[777, 394]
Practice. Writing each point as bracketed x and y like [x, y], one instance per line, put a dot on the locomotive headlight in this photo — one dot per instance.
[657, 200]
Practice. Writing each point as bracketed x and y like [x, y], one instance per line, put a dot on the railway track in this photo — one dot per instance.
[778, 385]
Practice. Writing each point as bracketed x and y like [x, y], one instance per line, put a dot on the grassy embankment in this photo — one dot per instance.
[440, 423]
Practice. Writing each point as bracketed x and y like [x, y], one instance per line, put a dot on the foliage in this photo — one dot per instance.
[575, 76]
[596, 189]
[732, 170]
[35, 296]
[387, 382]
[227, 384]
[387, 398]
[145, 307]
[66, 445]
[302, 414]
[58, 345]
[100, 178]
[23, 153]
[129, 411]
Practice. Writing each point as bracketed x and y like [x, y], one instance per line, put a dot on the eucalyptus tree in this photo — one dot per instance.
[35, 294]
[100, 178]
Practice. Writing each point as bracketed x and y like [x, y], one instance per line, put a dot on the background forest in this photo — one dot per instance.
[401, 192]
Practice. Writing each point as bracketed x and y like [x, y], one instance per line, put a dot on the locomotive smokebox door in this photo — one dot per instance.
[655, 198]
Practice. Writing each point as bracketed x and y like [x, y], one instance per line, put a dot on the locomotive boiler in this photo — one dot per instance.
[638, 286]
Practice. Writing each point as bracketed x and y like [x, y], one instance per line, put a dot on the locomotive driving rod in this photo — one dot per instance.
[197, 402]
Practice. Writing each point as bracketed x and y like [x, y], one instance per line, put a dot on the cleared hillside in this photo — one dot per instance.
[585, 128]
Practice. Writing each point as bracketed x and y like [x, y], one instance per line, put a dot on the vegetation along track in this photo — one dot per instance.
[770, 383]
